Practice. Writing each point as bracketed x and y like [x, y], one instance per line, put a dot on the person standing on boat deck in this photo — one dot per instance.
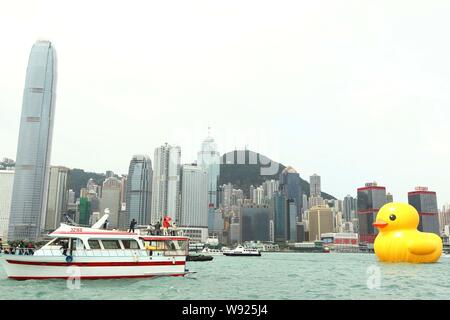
[65, 246]
[174, 228]
[132, 225]
[158, 228]
[166, 224]
[105, 225]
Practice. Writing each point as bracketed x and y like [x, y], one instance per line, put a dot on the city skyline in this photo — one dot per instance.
[333, 90]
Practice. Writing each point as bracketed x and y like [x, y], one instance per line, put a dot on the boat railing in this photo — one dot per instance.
[95, 252]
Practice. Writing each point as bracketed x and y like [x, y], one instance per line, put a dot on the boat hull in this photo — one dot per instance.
[32, 267]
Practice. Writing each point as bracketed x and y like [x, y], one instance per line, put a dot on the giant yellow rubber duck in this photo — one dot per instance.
[399, 240]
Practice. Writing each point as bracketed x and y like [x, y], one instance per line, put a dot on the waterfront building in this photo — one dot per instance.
[279, 212]
[208, 158]
[28, 206]
[235, 234]
[341, 241]
[370, 199]
[111, 194]
[194, 202]
[166, 183]
[315, 186]
[255, 223]
[292, 219]
[139, 190]
[6, 189]
[56, 197]
[425, 203]
[320, 221]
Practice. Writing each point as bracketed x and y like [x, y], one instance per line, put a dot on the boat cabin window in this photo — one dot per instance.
[94, 244]
[77, 244]
[130, 244]
[111, 244]
[170, 247]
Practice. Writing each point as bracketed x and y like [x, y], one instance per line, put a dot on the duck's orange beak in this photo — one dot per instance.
[380, 224]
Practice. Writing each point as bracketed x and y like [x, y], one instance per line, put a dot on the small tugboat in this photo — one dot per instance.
[242, 251]
[94, 253]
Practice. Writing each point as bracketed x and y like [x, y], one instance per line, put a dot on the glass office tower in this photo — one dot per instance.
[28, 205]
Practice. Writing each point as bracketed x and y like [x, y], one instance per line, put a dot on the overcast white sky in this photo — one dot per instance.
[355, 91]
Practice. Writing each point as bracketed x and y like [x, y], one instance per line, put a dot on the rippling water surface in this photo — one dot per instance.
[271, 276]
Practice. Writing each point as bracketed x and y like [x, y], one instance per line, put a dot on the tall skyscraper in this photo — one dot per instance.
[280, 217]
[370, 199]
[349, 209]
[28, 205]
[111, 193]
[208, 158]
[166, 183]
[293, 218]
[56, 197]
[139, 189]
[6, 189]
[425, 203]
[314, 186]
[255, 223]
[320, 221]
[291, 187]
[194, 203]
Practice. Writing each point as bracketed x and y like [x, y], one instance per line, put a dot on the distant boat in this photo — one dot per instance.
[198, 257]
[212, 252]
[242, 251]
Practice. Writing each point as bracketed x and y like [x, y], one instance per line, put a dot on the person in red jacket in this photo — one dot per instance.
[166, 224]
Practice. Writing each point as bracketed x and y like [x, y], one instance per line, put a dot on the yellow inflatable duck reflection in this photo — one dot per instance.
[399, 240]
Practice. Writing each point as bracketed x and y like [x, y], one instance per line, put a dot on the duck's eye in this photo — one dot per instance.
[392, 217]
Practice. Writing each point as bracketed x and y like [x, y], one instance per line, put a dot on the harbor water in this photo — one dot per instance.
[272, 276]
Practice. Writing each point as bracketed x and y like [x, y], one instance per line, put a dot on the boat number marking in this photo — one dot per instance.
[76, 229]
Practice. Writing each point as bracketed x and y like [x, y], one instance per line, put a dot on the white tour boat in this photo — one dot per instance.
[242, 251]
[93, 253]
[212, 252]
